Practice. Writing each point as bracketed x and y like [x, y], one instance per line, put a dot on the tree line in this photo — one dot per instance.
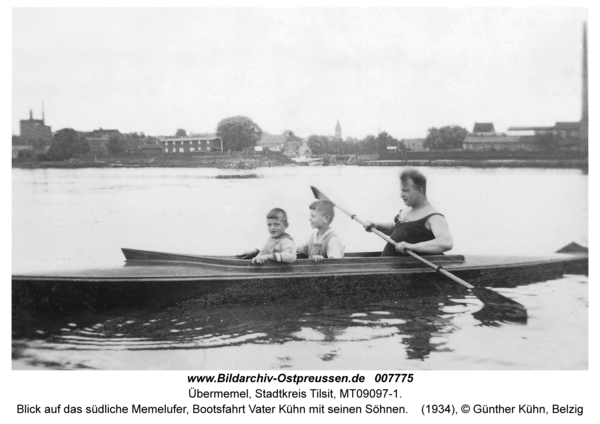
[240, 132]
[68, 143]
[324, 145]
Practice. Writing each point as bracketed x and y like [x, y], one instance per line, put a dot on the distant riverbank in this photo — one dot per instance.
[485, 159]
[273, 159]
[222, 160]
[494, 163]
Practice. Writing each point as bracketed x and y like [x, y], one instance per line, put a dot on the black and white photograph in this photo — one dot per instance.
[314, 189]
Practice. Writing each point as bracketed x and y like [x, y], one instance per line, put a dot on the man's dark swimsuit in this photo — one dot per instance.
[410, 232]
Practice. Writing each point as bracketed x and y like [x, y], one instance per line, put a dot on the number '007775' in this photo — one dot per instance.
[393, 378]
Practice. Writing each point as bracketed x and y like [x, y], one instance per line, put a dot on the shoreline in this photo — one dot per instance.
[491, 163]
[236, 161]
[260, 161]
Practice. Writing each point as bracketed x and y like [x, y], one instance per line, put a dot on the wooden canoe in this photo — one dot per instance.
[164, 278]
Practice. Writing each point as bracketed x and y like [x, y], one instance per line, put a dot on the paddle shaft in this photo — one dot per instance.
[438, 268]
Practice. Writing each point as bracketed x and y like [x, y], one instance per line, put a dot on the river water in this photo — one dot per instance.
[80, 218]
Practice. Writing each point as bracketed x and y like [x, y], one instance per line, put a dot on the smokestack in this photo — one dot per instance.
[43, 112]
[584, 112]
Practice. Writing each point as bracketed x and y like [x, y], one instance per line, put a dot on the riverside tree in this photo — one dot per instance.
[445, 138]
[383, 140]
[371, 144]
[319, 145]
[238, 133]
[67, 143]
[322, 145]
[115, 145]
[290, 136]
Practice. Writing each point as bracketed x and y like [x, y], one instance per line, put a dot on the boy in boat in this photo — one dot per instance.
[323, 243]
[280, 246]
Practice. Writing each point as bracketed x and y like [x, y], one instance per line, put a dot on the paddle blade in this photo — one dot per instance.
[318, 194]
[498, 308]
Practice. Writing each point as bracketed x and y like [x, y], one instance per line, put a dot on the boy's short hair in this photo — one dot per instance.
[323, 206]
[277, 213]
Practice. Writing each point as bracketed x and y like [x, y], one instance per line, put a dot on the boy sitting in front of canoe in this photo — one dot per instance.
[280, 246]
[323, 243]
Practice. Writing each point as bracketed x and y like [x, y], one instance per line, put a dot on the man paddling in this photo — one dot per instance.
[418, 227]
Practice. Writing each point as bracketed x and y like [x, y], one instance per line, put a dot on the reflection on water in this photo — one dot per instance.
[413, 331]
[415, 321]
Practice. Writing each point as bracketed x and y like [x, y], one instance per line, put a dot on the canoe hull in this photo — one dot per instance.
[157, 279]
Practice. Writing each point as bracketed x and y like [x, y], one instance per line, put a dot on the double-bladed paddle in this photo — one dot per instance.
[517, 311]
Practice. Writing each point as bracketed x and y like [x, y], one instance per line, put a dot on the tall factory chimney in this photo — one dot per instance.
[584, 113]
[583, 125]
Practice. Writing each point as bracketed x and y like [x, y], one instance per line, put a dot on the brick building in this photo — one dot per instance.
[485, 138]
[568, 135]
[484, 128]
[35, 130]
[414, 144]
[273, 142]
[187, 145]
[500, 142]
[98, 139]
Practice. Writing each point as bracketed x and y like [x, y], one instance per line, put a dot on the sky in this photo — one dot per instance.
[399, 70]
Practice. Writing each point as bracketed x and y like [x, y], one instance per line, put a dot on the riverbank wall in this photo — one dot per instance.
[251, 160]
[484, 159]
[235, 160]
[494, 163]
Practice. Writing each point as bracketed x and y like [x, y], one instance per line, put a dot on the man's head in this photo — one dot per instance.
[277, 222]
[413, 186]
[321, 213]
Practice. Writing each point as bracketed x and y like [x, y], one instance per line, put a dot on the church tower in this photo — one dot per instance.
[338, 130]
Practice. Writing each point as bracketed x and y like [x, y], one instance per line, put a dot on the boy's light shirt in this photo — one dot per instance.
[335, 247]
[283, 247]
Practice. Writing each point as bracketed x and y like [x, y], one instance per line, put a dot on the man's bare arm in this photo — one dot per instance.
[440, 244]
